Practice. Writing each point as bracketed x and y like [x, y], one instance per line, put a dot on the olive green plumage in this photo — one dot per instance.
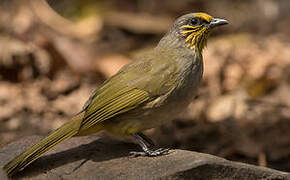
[151, 90]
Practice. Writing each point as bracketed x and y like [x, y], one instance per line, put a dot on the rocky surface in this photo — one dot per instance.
[91, 157]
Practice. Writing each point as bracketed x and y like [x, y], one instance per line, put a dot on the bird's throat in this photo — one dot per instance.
[195, 39]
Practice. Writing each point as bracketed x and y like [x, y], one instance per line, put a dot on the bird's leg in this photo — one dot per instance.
[146, 139]
[147, 150]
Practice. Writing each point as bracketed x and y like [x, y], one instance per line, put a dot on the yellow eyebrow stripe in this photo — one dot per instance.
[203, 16]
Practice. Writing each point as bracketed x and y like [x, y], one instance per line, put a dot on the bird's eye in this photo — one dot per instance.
[194, 21]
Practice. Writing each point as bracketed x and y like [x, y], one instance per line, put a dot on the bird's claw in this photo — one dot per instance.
[151, 153]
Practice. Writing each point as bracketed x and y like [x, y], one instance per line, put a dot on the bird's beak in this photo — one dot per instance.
[218, 22]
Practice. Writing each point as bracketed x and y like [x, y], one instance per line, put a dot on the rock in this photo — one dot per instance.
[90, 157]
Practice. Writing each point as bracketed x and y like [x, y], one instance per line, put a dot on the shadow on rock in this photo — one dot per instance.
[98, 150]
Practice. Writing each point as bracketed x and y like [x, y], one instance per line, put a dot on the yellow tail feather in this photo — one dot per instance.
[63, 133]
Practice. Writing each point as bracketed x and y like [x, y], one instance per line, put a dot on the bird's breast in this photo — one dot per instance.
[170, 105]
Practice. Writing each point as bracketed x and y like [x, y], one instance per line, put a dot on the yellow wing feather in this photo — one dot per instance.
[122, 101]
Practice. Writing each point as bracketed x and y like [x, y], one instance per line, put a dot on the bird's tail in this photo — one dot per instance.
[63, 133]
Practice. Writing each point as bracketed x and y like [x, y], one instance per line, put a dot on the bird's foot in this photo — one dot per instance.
[151, 152]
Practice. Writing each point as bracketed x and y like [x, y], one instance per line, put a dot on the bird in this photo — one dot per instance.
[149, 91]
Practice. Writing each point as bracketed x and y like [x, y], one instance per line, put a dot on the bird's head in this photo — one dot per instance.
[192, 30]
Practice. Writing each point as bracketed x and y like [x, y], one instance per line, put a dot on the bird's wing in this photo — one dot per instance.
[136, 83]
[112, 104]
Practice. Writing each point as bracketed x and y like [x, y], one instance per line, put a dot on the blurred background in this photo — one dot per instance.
[54, 54]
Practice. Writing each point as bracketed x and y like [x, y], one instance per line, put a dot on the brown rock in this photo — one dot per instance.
[90, 157]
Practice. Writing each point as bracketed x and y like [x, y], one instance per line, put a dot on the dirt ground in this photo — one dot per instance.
[50, 62]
